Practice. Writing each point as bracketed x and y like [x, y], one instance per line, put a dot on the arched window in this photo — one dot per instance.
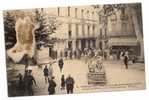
[76, 10]
[77, 31]
[88, 30]
[58, 11]
[69, 30]
[82, 12]
[93, 29]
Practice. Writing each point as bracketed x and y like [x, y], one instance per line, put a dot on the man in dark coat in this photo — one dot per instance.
[62, 82]
[46, 73]
[126, 61]
[30, 80]
[60, 63]
[52, 85]
[69, 84]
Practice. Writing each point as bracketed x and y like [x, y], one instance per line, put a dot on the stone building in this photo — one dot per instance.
[81, 27]
[78, 29]
[122, 30]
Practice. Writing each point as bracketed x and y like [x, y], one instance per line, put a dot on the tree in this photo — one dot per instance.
[47, 26]
[9, 29]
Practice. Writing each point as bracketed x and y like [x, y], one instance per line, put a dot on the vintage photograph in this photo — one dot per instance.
[74, 49]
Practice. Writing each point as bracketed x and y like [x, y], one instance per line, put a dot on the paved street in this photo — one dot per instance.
[115, 74]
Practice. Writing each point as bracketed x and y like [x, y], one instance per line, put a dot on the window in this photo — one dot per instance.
[41, 9]
[69, 31]
[87, 14]
[123, 15]
[76, 12]
[93, 29]
[88, 28]
[77, 32]
[123, 11]
[92, 15]
[58, 11]
[82, 12]
[70, 44]
[83, 29]
[68, 11]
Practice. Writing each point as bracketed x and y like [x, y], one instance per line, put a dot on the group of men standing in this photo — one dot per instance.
[26, 82]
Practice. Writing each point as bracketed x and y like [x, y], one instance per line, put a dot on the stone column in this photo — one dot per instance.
[90, 43]
[138, 33]
[97, 43]
[79, 44]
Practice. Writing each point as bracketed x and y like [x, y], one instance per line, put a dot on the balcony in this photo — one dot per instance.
[103, 37]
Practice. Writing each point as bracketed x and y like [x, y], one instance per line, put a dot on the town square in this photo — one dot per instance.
[74, 49]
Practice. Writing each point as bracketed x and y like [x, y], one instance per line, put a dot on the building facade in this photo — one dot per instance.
[78, 29]
[122, 34]
[81, 27]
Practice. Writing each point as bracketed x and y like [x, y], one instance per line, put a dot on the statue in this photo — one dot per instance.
[25, 44]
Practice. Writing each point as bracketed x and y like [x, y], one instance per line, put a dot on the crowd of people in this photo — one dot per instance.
[86, 53]
[67, 83]
[26, 82]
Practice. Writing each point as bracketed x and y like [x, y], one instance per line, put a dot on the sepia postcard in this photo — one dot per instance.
[74, 49]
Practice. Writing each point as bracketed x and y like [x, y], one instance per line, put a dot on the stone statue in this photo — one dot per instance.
[25, 39]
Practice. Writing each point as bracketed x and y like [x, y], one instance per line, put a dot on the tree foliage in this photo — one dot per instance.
[47, 26]
[9, 29]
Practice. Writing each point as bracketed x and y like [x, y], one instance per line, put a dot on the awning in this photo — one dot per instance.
[124, 42]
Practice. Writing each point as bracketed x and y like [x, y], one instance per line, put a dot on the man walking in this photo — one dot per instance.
[60, 63]
[30, 80]
[52, 85]
[126, 61]
[46, 73]
[69, 84]
[63, 82]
